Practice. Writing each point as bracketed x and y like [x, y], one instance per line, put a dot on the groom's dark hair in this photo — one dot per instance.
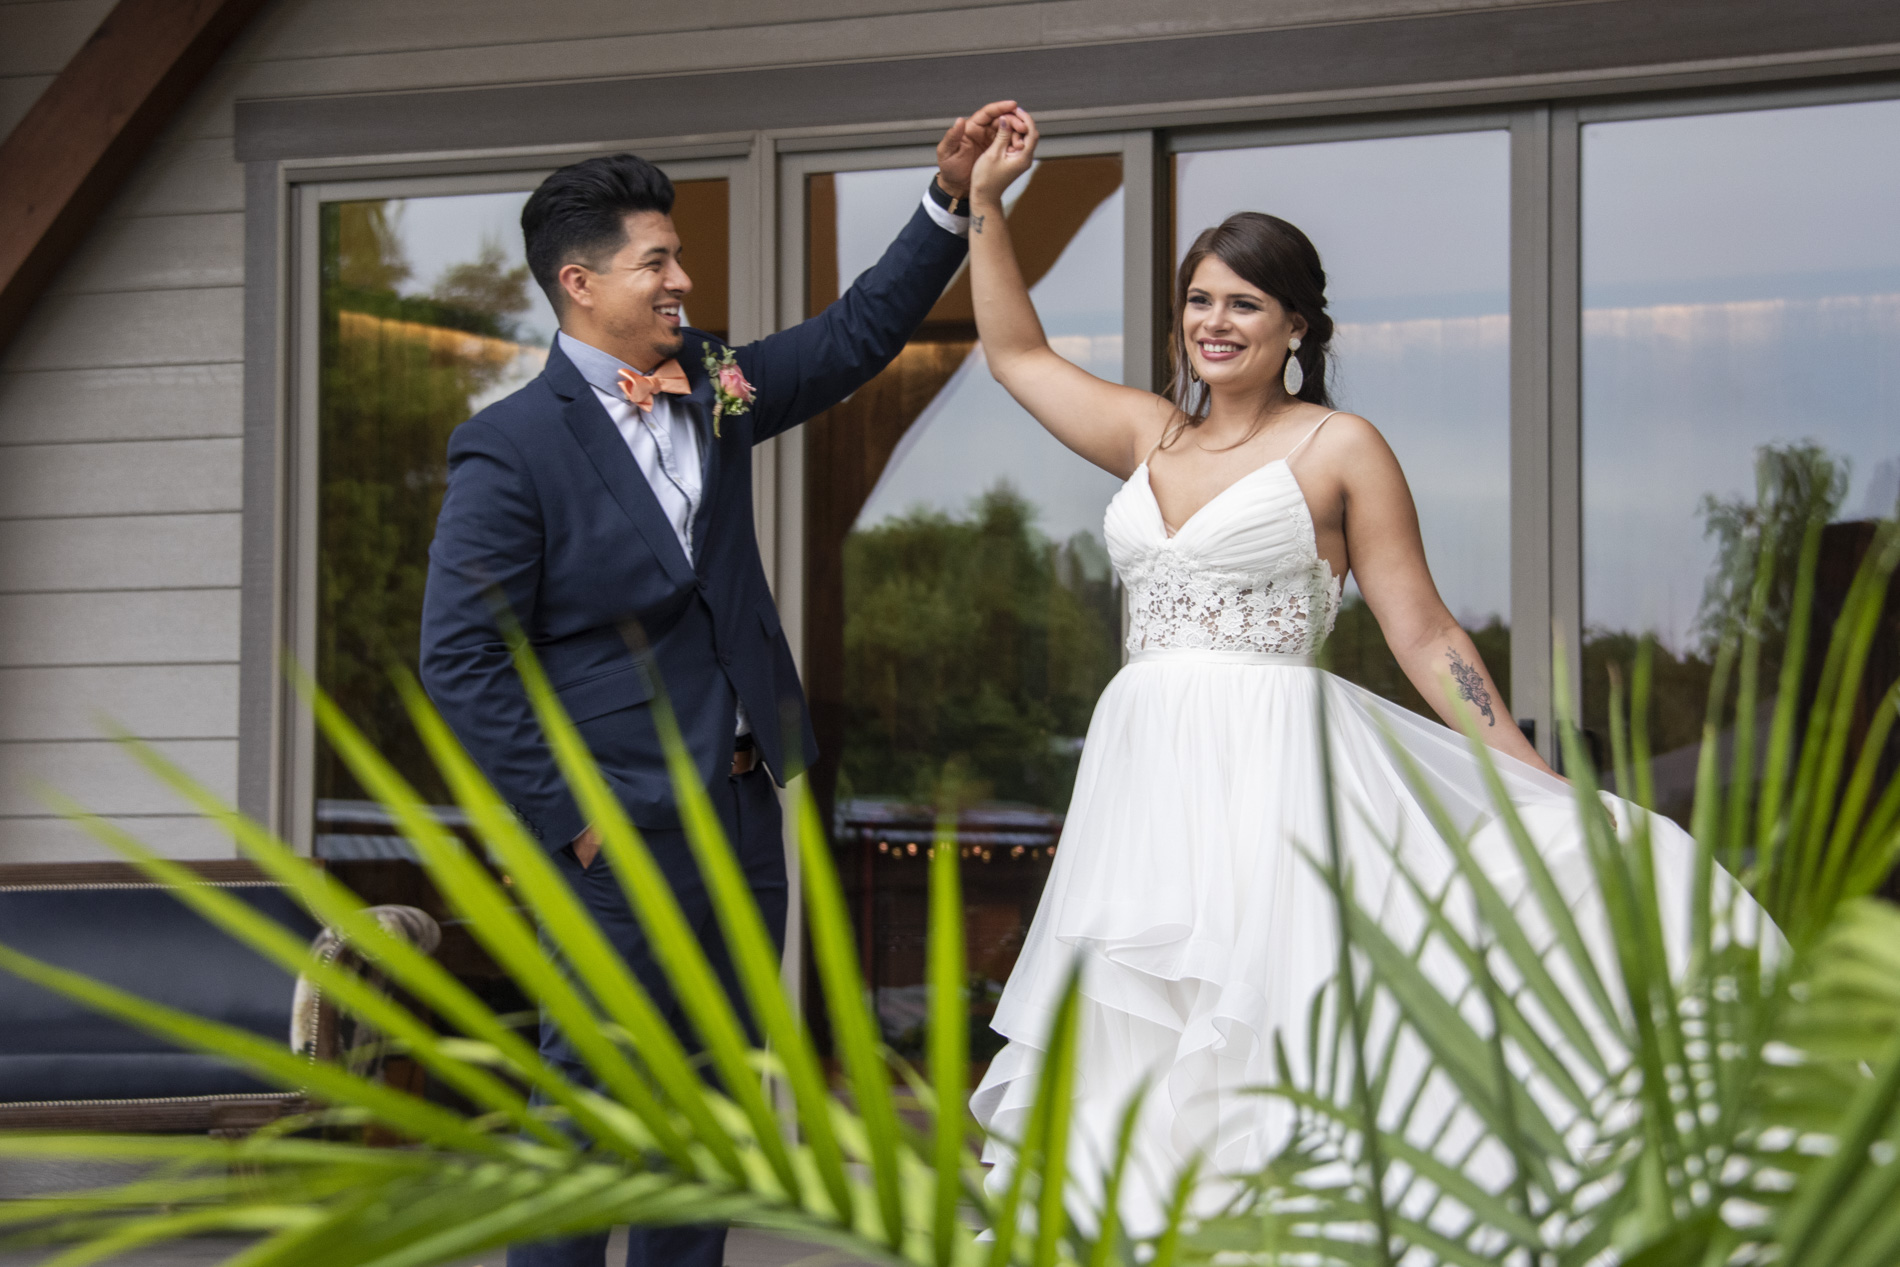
[579, 215]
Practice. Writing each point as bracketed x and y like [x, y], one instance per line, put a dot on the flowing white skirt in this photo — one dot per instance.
[1182, 888]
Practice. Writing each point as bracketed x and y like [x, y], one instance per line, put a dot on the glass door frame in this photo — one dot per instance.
[1143, 259]
[1549, 204]
[292, 814]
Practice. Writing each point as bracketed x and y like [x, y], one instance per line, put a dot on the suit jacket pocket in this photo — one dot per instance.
[607, 693]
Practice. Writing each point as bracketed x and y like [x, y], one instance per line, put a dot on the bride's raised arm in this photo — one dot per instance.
[1388, 560]
[1112, 426]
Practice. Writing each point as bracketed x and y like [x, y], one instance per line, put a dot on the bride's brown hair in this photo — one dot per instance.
[1275, 256]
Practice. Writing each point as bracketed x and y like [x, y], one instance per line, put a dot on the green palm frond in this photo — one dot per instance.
[1603, 1062]
[651, 1137]
[1662, 1074]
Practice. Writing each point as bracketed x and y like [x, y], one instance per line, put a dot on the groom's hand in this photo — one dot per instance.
[586, 848]
[965, 140]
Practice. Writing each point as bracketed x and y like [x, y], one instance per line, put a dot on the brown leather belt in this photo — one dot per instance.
[745, 756]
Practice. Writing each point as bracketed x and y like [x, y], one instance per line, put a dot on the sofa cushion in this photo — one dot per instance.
[142, 939]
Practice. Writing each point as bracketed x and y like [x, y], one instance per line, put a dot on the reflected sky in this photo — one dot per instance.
[439, 233]
[1414, 234]
[1741, 287]
[973, 435]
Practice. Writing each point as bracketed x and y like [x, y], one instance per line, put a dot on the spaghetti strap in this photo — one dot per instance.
[1308, 436]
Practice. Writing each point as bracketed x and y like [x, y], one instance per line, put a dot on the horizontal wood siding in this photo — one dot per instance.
[96, 330]
[167, 701]
[169, 835]
[142, 402]
[120, 627]
[120, 410]
[119, 552]
[189, 251]
[144, 477]
[105, 777]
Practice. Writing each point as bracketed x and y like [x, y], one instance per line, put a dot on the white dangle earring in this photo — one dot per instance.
[1295, 377]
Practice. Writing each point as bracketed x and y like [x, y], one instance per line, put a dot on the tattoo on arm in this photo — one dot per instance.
[977, 224]
[1471, 686]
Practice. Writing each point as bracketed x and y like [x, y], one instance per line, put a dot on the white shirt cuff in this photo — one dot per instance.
[959, 225]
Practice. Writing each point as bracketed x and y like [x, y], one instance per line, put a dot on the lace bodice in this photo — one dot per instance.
[1244, 574]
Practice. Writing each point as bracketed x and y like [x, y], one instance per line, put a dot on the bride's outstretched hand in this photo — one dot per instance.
[1009, 155]
[964, 142]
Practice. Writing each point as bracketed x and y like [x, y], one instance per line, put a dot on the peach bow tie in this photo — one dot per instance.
[638, 388]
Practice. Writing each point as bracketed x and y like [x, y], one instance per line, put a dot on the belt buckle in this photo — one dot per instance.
[744, 760]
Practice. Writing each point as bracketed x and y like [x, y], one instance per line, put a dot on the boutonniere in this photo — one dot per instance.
[731, 393]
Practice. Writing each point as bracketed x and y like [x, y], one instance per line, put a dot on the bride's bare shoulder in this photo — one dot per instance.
[1349, 439]
[1348, 430]
[1155, 419]
[1349, 457]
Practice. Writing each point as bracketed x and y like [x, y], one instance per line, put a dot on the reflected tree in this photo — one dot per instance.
[973, 640]
[398, 372]
[1796, 484]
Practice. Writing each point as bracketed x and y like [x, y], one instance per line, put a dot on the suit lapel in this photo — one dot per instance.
[699, 406]
[607, 449]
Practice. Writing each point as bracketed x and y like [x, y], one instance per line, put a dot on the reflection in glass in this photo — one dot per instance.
[1414, 233]
[1741, 320]
[962, 616]
[427, 315]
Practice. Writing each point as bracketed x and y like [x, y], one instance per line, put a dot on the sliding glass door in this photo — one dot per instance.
[961, 616]
[1741, 329]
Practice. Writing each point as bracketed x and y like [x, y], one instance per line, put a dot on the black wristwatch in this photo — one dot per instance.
[948, 201]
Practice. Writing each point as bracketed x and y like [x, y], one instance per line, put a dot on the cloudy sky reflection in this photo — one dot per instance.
[1741, 287]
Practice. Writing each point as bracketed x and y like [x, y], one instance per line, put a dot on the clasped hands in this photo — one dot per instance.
[967, 139]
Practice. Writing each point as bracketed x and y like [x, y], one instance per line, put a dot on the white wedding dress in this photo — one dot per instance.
[1180, 883]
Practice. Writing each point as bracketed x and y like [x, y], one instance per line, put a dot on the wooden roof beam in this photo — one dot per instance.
[81, 139]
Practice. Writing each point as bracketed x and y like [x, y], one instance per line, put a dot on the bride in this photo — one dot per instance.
[1180, 885]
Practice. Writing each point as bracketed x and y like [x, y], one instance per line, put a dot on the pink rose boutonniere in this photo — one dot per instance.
[731, 393]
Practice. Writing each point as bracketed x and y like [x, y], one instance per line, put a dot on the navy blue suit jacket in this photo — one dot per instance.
[548, 514]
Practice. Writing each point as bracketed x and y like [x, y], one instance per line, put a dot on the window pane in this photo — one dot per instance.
[1414, 233]
[962, 617]
[428, 315]
[1741, 298]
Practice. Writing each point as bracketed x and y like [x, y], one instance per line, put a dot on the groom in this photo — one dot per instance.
[613, 494]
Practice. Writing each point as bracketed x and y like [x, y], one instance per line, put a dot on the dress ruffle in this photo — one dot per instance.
[1184, 892]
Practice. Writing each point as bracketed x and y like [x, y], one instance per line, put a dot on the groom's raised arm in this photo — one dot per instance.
[801, 372]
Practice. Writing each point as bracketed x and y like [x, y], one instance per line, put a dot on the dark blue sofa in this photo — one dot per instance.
[64, 1066]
